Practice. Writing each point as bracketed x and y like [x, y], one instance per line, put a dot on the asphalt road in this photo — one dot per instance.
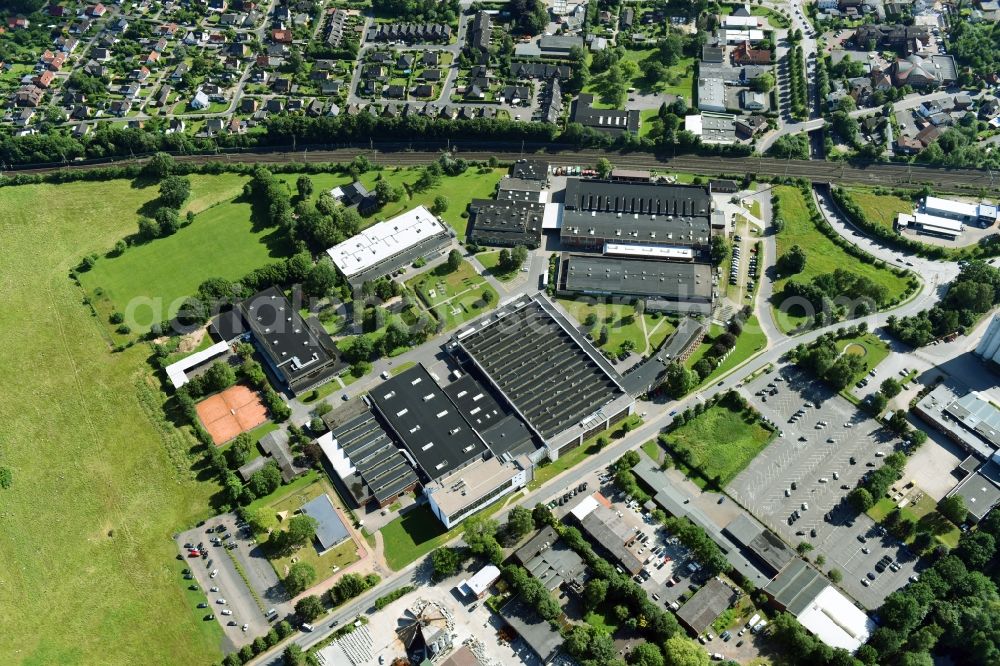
[405, 154]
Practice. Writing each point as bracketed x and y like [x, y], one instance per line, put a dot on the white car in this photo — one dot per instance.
[214, 589]
[221, 602]
[226, 611]
[215, 572]
[245, 627]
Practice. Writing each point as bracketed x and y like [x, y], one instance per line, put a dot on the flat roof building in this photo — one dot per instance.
[609, 121]
[437, 437]
[600, 211]
[177, 372]
[387, 246]
[463, 492]
[330, 529]
[988, 348]
[711, 94]
[610, 531]
[503, 432]
[298, 352]
[980, 490]
[364, 456]
[559, 385]
[970, 420]
[480, 583]
[689, 285]
[552, 562]
[537, 633]
[531, 169]
[700, 611]
[759, 544]
[506, 223]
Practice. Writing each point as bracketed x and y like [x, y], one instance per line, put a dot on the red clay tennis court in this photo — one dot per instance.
[225, 415]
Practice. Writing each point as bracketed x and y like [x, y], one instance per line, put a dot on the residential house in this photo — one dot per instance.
[423, 90]
[743, 54]
[281, 36]
[30, 95]
[121, 107]
[431, 75]
[748, 127]
[44, 80]
[200, 100]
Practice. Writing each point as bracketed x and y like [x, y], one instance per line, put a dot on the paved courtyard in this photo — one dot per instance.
[817, 459]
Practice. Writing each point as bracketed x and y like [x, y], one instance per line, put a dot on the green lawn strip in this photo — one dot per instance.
[924, 514]
[648, 121]
[658, 329]
[610, 315]
[721, 441]
[455, 297]
[549, 470]
[600, 621]
[881, 208]
[822, 254]
[285, 491]
[246, 581]
[402, 367]
[876, 351]
[751, 341]
[653, 449]
[93, 458]
[321, 392]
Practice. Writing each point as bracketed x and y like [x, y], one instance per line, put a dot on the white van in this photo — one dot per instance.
[757, 627]
[306, 626]
[754, 620]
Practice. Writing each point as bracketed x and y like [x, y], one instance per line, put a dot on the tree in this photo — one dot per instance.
[440, 204]
[445, 562]
[6, 477]
[159, 166]
[720, 248]
[953, 508]
[835, 575]
[861, 499]
[239, 451]
[890, 388]
[300, 576]
[976, 549]
[678, 380]
[763, 83]
[174, 191]
[682, 651]
[304, 186]
[454, 260]
[219, 376]
[148, 228]
[266, 480]
[293, 655]
[595, 592]
[518, 255]
[519, 522]
[792, 262]
[301, 529]
[646, 654]
[321, 280]
[604, 167]
[309, 608]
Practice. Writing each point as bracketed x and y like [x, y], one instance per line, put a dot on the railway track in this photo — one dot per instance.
[888, 175]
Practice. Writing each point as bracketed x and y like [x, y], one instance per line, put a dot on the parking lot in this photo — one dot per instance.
[816, 458]
[227, 584]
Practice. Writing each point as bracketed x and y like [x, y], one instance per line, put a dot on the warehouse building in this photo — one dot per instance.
[700, 611]
[364, 457]
[672, 286]
[980, 490]
[970, 420]
[988, 348]
[420, 415]
[506, 223]
[598, 212]
[388, 246]
[759, 545]
[553, 379]
[552, 562]
[610, 121]
[610, 531]
[979, 214]
[503, 432]
[930, 225]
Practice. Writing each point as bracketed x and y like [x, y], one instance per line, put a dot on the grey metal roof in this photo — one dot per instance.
[503, 432]
[380, 466]
[708, 603]
[540, 367]
[275, 444]
[669, 280]
[610, 532]
[506, 222]
[330, 529]
[796, 586]
[544, 639]
[977, 415]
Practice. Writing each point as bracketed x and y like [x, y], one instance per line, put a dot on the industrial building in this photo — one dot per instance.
[461, 493]
[506, 223]
[609, 121]
[759, 545]
[700, 611]
[970, 420]
[979, 214]
[980, 489]
[499, 427]
[930, 225]
[600, 211]
[674, 286]
[802, 591]
[552, 562]
[388, 246]
[540, 635]
[364, 457]
[541, 366]
[611, 532]
[988, 348]
[298, 352]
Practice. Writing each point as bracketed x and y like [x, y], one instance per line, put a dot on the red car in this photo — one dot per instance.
[194, 552]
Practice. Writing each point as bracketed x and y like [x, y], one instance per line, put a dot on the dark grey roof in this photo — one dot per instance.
[539, 70]
[796, 586]
[247, 470]
[509, 437]
[980, 490]
[649, 373]
[503, 432]
[540, 367]
[708, 603]
[551, 561]
[608, 531]
[759, 544]
[428, 423]
[381, 470]
[530, 170]
[647, 213]
[506, 222]
[669, 280]
[330, 529]
[275, 444]
[544, 639]
[299, 355]
[612, 121]
[480, 32]
[228, 326]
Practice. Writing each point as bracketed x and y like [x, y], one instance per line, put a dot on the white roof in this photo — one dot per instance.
[480, 581]
[341, 464]
[585, 507]
[741, 21]
[942, 224]
[385, 240]
[737, 36]
[935, 204]
[836, 621]
[175, 371]
[649, 251]
[553, 216]
[693, 124]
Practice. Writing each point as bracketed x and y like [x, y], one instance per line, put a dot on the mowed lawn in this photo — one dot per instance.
[89, 568]
[157, 276]
[881, 208]
[822, 254]
[721, 441]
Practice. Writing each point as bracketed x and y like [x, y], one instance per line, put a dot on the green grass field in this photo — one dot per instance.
[491, 262]
[721, 441]
[155, 277]
[822, 254]
[876, 351]
[455, 297]
[101, 482]
[881, 208]
[613, 316]
[924, 513]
